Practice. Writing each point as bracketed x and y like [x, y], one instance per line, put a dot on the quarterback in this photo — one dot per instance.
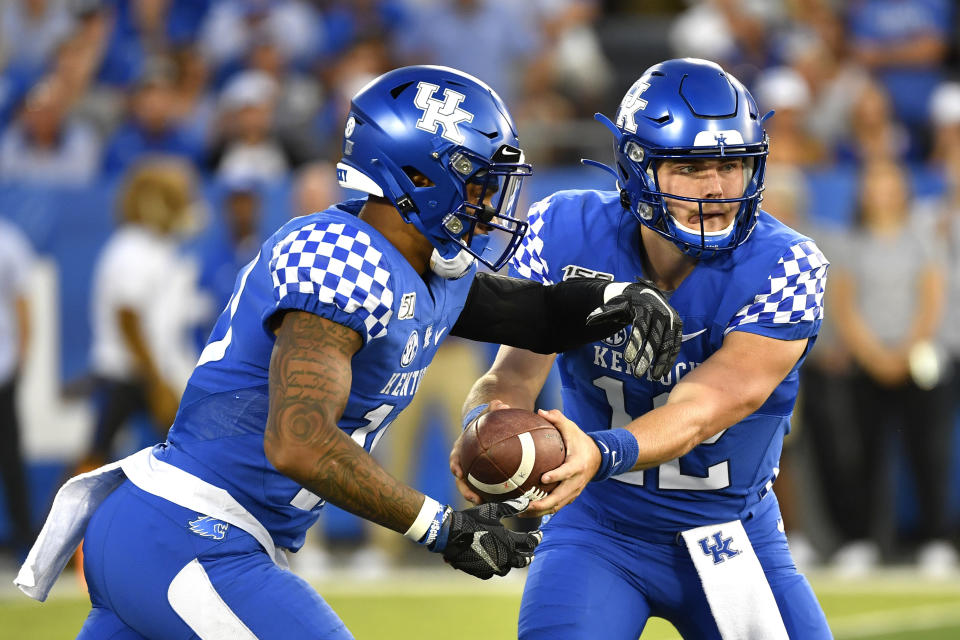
[676, 516]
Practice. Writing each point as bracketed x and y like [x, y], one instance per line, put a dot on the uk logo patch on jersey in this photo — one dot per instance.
[209, 528]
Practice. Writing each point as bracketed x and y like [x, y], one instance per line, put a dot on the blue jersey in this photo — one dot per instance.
[336, 266]
[771, 285]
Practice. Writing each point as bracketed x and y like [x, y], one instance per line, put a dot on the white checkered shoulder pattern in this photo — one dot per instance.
[528, 260]
[795, 293]
[337, 263]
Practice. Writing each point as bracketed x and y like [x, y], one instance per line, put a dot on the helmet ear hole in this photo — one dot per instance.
[417, 178]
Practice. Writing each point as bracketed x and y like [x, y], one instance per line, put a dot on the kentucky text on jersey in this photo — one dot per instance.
[404, 383]
[612, 359]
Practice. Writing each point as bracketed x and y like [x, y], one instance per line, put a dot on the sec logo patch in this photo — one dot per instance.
[616, 339]
[410, 351]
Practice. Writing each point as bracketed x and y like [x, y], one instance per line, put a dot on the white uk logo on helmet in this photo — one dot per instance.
[631, 103]
[446, 113]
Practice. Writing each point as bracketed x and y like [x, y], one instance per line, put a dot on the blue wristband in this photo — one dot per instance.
[619, 451]
[473, 414]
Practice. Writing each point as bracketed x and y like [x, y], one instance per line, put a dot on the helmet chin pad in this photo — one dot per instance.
[451, 268]
[710, 239]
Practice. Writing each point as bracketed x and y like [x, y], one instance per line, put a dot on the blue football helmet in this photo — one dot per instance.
[455, 131]
[682, 109]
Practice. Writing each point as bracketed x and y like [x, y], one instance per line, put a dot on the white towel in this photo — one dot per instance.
[62, 532]
[737, 589]
[81, 495]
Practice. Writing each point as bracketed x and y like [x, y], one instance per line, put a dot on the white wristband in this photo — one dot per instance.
[427, 513]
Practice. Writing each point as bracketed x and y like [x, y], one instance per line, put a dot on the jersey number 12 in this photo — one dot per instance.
[670, 476]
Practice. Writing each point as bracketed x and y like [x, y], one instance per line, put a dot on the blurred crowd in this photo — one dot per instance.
[168, 96]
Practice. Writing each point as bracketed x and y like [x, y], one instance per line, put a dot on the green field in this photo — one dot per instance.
[431, 604]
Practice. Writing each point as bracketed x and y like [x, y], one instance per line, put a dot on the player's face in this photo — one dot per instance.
[707, 178]
[476, 190]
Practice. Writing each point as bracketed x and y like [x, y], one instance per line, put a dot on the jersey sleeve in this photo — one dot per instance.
[334, 271]
[528, 262]
[790, 307]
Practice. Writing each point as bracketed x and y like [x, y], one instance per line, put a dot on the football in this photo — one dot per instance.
[505, 452]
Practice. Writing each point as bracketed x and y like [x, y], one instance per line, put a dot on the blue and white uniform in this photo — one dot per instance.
[192, 553]
[616, 553]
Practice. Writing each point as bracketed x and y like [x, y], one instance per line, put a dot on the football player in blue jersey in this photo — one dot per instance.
[676, 518]
[324, 341]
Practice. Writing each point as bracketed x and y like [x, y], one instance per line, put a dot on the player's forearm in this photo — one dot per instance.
[516, 378]
[669, 432]
[693, 413]
[339, 470]
[545, 319]
[516, 393]
[310, 381]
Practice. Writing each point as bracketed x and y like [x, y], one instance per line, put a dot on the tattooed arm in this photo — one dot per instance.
[310, 379]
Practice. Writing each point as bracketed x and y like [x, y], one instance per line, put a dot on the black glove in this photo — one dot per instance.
[474, 541]
[654, 340]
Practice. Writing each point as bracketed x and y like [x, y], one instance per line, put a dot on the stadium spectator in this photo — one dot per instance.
[247, 142]
[151, 126]
[314, 186]
[945, 122]
[233, 27]
[904, 42]
[298, 96]
[194, 103]
[675, 471]
[944, 220]
[231, 240]
[735, 33]
[436, 36]
[888, 302]
[362, 61]
[784, 91]
[143, 30]
[143, 305]
[834, 82]
[873, 133]
[45, 145]
[30, 31]
[16, 261]
[821, 438]
[571, 62]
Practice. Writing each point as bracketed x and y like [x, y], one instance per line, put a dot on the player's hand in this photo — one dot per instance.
[654, 339]
[579, 467]
[475, 542]
[469, 494]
